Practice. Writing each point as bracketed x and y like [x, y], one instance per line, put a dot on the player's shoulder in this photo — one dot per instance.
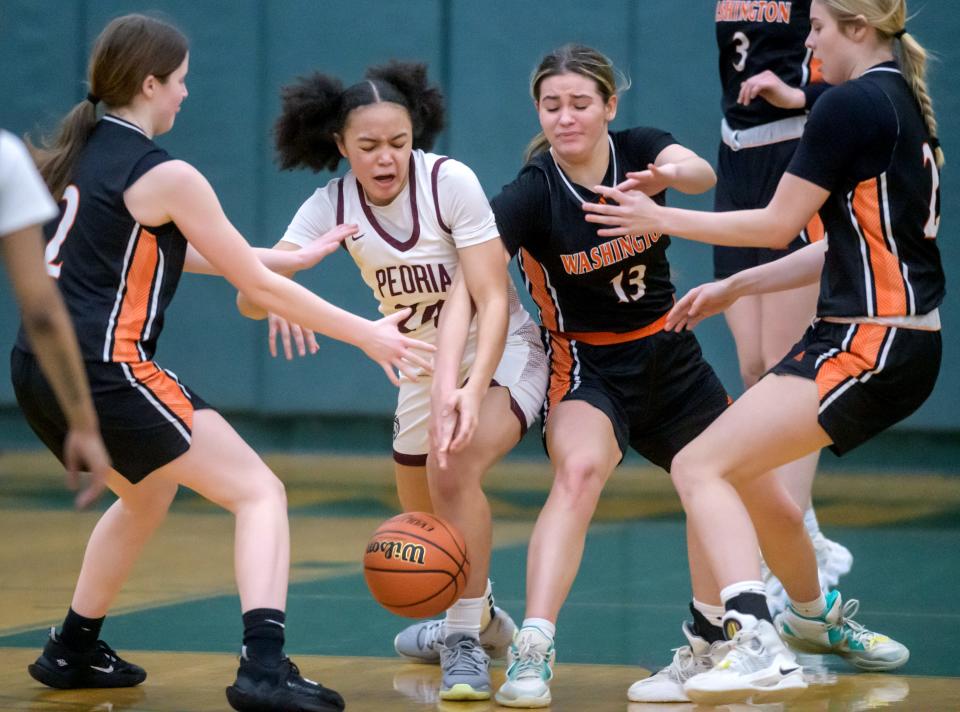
[855, 97]
[446, 168]
[532, 182]
[174, 173]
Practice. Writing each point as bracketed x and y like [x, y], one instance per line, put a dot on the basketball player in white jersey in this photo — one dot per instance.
[419, 218]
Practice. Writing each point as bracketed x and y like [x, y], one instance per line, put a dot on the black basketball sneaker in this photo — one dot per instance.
[261, 688]
[59, 666]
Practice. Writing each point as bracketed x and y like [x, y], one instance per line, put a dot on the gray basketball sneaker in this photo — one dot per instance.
[466, 669]
[419, 642]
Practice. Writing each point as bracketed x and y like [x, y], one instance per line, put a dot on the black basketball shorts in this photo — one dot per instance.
[658, 391]
[145, 413]
[868, 376]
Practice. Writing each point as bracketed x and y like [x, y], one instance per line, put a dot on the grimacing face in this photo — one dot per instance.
[573, 115]
[377, 140]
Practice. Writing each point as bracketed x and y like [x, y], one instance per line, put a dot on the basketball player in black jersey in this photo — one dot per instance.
[128, 212]
[617, 380]
[769, 81]
[868, 162]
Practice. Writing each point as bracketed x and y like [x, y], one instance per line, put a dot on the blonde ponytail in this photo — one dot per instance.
[913, 64]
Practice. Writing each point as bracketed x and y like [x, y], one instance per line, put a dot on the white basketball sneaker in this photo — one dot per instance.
[835, 632]
[757, 665]
[529, 671]
[693, 659]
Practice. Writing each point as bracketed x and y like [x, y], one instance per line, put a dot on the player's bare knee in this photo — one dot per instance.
[688, 470]
[452, 482]
[267, 488]
[579, 480]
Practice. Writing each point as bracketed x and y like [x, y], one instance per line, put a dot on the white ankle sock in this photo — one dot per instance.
[713, 614]
[810, 522]
[464, 616]
[540, 630]
[487, 614]
[735, 589]
[811, 609]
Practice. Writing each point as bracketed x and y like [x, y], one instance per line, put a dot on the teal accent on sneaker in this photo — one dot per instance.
[835, 632]
[529, 671]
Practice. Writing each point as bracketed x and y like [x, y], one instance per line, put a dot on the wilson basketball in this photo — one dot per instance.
[416, 565]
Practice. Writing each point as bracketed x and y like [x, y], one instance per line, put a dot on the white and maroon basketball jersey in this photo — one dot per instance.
[407, 250]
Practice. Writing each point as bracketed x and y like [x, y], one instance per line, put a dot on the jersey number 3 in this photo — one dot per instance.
[71, 196]
[742, 49]
[628, 285]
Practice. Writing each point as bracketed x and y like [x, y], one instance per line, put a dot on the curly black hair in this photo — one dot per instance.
[315, 109]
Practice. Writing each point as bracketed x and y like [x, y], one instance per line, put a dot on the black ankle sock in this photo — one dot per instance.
[754, 604]
[80, 633]
[704, 628]
[263, 634]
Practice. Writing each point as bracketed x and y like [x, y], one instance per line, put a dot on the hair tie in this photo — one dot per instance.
[934, 143]
[93, 99]
[900, 33]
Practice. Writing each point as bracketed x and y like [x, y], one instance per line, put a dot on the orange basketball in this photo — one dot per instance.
[416, 565]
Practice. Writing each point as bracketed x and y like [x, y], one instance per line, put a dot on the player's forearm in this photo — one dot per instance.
[492, 320]
[694, 176]
[797, 269]
[271, 292]
[281, 261]
[452, 333]
[739, 228]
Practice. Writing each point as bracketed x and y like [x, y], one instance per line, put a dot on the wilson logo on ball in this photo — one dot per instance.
[414, 553]
[416, 565]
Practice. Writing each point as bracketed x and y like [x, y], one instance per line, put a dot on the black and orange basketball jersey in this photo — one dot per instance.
[116, 276]
[866, 142]
[754, 36]
[582, 282]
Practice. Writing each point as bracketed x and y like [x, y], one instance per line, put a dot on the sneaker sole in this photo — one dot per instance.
[802, 646]
[242, 702]
[658, 698]
[524, 702]
[875, 665]
[786, 688]
[463, 691]
[56, 680]
[49, 678]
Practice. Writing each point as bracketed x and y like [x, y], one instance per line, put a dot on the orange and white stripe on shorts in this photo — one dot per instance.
[162, 390]
[863, 353]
